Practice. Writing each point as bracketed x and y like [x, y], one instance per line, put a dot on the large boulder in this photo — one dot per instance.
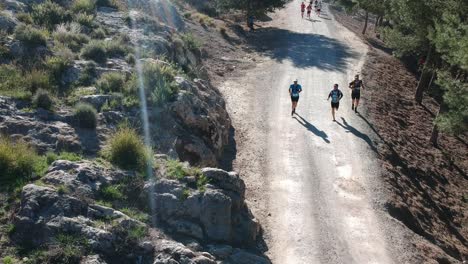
[219, 213]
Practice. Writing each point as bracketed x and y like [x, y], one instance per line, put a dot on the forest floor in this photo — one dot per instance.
[427, 185]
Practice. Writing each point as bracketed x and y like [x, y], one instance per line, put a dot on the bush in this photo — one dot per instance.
[130, 59]
[127, 150]
[25, 18]
[30, 36]
[95, 50]
[111, 82]
[85, 19]
[43, 99]
[86, 116]
[37, 79]
[49, 14]
[85, 6]
[188, 15]
[12, 82]
[116, 48]
[57, 67]
[99, 33]
[19, 163]
[158, 81]
[190, 41]
[88, 74]
[70, 35]
[51, 157]
[222, 30]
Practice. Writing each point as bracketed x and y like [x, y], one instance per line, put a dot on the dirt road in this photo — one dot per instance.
[312, 180]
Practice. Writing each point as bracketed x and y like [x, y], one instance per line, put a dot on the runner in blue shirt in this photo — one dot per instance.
[336, 96]
[294, 91]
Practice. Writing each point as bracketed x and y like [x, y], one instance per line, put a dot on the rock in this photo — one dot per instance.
[93, 259]
[97, 100]
[225, 180]
[220, 251]
[7, 21]
[216, 215]
[244, 257]
[13, 5]
[203, 260]
[186, 228]
[147, 246]
[82, 178]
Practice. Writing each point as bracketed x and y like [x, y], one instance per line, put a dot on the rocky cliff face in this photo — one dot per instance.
[87, 210]
[208, 219]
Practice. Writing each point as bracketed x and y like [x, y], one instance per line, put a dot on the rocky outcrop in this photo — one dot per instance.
[45, 130]
[209, 223]
[219, 213]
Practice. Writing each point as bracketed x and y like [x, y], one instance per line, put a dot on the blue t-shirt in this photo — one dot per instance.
[295, 89]
[335, 95]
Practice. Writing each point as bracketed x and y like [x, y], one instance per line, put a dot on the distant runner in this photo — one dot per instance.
[250, 23]
[355, 86]
[318, 7]
[336, 96]
[309, 10]
[294, 91]
[303, 7]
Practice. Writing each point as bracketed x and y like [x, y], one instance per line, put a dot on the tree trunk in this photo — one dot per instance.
[381, 21]
[435, 131]
[377, 23]
[425, 79]
[365, 23]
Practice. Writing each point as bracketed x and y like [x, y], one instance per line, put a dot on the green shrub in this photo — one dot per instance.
[112, 193]
[158, 81]
[43, 99]
[12, 82]
[30, 36]
[116, 48]
[10, 260]
[68, 249]
[57, 67]
[130, 59]
[95, 50]
[19, 163]
[190, 41]
[88, 74]
[99, 33]
[111, 82]
[51, 156]
[188, 15]
[136, 214]
[70, 36]
[37, 79]
[86, 20]
[126, 150]
[49, 14]
[86, 116]
[85, 6]
[176, 169]
[25, 18]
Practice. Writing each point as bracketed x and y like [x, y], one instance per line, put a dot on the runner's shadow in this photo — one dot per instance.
[312, 128]
[357, 133]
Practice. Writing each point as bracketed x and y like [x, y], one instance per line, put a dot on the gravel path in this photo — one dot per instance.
[311, 180]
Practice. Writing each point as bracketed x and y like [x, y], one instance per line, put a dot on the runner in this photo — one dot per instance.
[250, 23]
[336, 96]
[294, 91]
[303, 7]
[309, 10]
[318, 8]
[355, 86]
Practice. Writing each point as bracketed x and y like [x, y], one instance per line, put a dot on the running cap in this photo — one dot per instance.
[295, 80]
[335, 85]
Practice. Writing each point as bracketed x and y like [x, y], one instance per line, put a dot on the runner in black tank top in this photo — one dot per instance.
[355, 87]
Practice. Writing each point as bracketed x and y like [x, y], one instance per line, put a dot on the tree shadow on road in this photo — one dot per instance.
[312, 128]
[357, 133]
[304, 50]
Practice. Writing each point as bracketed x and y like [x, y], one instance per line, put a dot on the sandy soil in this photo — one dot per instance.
[314, 184]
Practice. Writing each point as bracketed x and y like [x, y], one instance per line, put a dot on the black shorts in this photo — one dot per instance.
[295, 99]
[356, 94]
[335, 105]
